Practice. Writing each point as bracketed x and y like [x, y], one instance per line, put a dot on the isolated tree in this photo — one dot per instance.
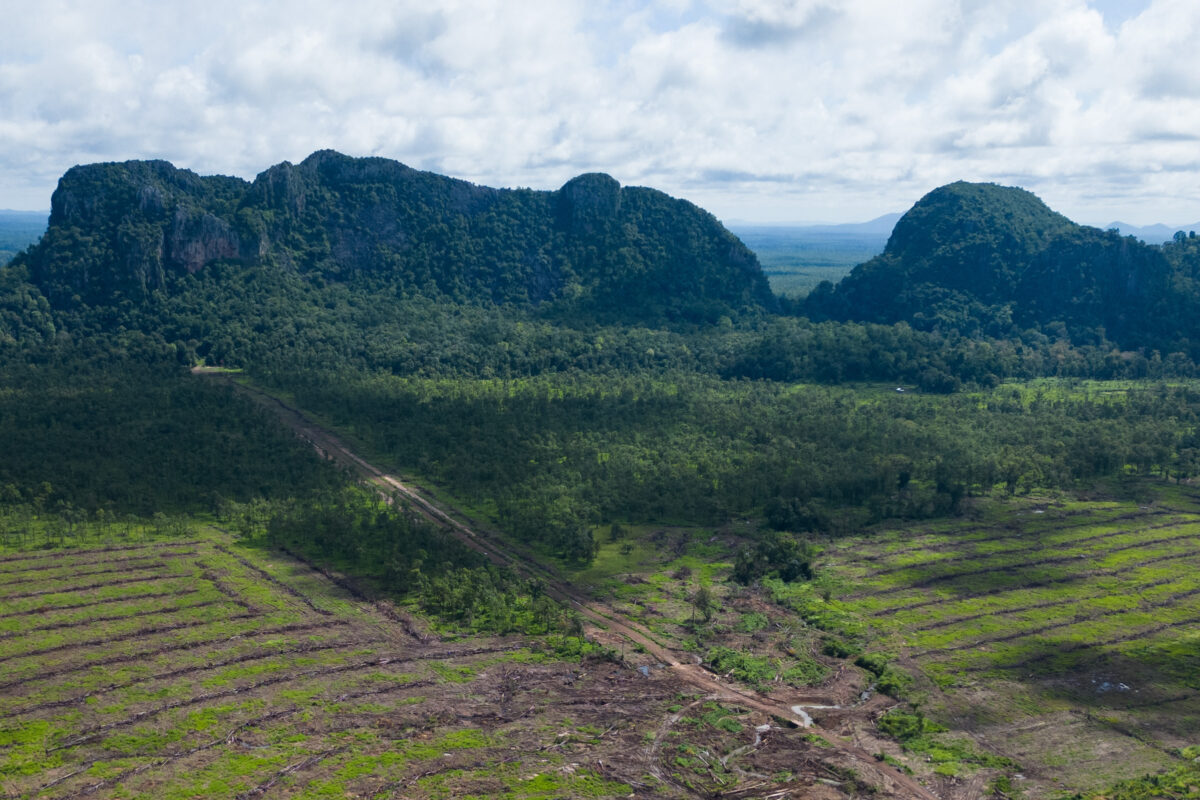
[703, 603]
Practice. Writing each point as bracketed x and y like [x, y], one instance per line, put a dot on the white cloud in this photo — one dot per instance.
[772, 109]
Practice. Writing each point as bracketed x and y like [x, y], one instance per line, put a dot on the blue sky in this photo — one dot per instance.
[792, 110]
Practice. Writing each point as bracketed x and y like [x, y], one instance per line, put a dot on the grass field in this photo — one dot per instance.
[1062, 634]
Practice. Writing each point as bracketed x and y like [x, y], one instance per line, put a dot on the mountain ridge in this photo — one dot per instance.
[122, 231]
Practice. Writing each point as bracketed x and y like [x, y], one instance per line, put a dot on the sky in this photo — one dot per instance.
[758, 110]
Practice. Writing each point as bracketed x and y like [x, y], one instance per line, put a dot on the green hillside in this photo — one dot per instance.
[982, 259]
[122, 232]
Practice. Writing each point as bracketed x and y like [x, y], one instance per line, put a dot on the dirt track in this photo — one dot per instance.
[508, 555]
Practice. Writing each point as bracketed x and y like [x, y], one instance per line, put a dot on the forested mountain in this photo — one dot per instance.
[122, 232]
[986, 259]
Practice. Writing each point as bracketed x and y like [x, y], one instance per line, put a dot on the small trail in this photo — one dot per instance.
[509, 555]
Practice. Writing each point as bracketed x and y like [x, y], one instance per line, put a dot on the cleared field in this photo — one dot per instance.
[199, 668]
[1064, 635]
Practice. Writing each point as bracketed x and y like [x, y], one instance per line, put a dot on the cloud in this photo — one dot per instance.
[768, 24]
[775, 109]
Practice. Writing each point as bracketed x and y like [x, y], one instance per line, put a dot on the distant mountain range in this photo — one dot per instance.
[880, 226]
[1152, 234]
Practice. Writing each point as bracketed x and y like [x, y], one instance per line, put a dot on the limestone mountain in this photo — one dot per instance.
[121, 232]
[986, 258]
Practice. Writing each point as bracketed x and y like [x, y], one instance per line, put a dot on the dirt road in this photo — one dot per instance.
[509, 555]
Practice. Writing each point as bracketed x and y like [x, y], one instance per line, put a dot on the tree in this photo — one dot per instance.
[703, 603]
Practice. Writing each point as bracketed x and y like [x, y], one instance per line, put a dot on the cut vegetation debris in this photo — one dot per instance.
[1061, 635]
[199, 677]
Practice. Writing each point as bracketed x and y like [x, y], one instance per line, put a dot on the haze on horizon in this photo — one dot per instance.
[760, 111]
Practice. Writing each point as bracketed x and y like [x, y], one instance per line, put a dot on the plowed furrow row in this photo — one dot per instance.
[291, 590]
[311, 761]
[86, 735]
[107, 601]
[158, 576]
[1024, 547]
[1038, 562]
[129, 773]
[56, 626]
[1008, 534]
[1072, 647]
[124, 658]
[306, 648]
[1008, 637]
[1033, 584]
[112, 565]
[228, 738]
[945, 623]
[123, 637]
[91, 551]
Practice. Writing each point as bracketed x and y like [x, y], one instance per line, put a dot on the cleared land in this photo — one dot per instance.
[1064, 635]
[199, 668]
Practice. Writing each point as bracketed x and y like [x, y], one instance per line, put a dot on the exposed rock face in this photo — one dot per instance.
[197, 238]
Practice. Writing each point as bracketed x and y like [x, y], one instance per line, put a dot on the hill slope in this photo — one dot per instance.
[124, 231]
[981, 257]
